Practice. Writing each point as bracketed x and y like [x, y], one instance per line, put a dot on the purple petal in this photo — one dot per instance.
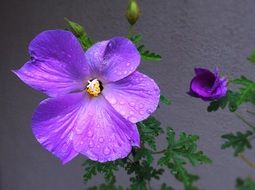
[134, 97]
[202, 83]
[105, 134]
[114, 59]
[53, 124]
[77, 123]
[57, 66]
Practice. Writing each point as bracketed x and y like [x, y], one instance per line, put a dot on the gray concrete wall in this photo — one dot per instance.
[187, 33]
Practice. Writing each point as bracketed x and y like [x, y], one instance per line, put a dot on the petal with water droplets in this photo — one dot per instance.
[134, 97]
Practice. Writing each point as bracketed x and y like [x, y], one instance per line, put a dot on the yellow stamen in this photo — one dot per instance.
[93, 87]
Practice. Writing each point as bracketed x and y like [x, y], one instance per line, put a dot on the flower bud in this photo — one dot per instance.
[132, 12]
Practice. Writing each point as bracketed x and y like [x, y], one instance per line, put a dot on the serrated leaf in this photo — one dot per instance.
[92, 168]
[178, 153]
[166, 187]
[149, 129]
[80, 33]
[145, 54]
[239, 141]
[251, 58]
[245, 93]
[245, 184]
[165, 100]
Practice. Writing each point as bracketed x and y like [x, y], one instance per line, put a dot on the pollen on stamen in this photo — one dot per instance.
[94, 87]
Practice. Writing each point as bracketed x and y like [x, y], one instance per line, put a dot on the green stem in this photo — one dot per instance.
[130, 31]
[158, 152]
[246, 122]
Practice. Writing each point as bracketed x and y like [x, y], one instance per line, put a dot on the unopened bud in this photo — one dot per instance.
[132, 12]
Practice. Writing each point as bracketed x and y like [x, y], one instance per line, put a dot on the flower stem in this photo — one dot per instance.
[130, 31]
[247, 161]
[158, 152]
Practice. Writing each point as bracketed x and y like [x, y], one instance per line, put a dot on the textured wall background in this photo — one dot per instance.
[187, 33]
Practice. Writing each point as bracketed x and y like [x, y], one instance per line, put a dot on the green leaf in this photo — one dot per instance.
[106, 187]
[245, 184]
[245, 93]
[178, 153]
[251, 58]
[92, 168]
[165, 187]
[80, 33]
[149, 129]
[145, 54]
[165, 100]
[239, 141]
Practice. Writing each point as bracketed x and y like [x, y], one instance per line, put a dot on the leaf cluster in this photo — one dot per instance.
[145, 54]
[180, 152]
[239, 141]
[245, 184]
[245, 93]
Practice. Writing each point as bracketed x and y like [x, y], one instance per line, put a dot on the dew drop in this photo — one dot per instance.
[122, 102]
[113, 101]
[136, 107]
[90, 133]
[125, 72]
[149, 111]
[141, 106]
[91, 144]
[131, 113]
[64, 147]
[101, 140]
[128, 64]
[106, 151]
[141, 112]
[132, 119]
[132, 104]
[81, 142]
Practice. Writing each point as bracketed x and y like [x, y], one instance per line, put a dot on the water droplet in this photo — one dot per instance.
[149, 111]
[90, 133]
[141, 106]
[101, 140]
[128, 64]
[141, 112]
[113, 101]
[136, 107]
[131, 113]
[64, 148]
[122, 102]
[79, 130]
[125, 72]
[91, 144]
[132, 119]
[81, 142]
[132, 104]
[107, 151]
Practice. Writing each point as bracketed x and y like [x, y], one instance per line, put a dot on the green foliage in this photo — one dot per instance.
[245, 184]
[165, 100]
[251, 58]
[246, 93]
[239, 141]
[165, 187]
[92, 168]
[145, 54]
[106, 187]
[149, 129]
[80, 34]
[178, 153]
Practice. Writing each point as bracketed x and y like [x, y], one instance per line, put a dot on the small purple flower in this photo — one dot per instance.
[96, 97]
[207, 85]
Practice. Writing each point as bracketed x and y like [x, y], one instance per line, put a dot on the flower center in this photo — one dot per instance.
[94, 87]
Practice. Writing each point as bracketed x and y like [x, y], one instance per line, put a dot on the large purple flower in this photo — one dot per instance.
[96, 97]
[207, 85]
